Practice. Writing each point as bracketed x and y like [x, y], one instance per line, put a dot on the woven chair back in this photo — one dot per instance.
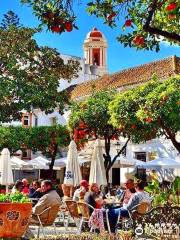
[51, 215]
[84, 209]
[143, 207]
[72, 208]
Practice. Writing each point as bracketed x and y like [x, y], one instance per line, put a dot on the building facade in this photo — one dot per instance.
[94, 74]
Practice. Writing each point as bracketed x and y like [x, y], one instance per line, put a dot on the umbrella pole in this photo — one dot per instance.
[6, 188]
[39, 174]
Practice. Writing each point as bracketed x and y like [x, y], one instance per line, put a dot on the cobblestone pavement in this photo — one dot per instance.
[60, 229]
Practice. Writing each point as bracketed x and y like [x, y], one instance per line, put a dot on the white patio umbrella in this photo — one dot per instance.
[97, 170]
[124, 162]
[60, 163]
[17, 163]
[39, 163]
[6, 175]
[73, 173]
[42, 160]
[163, 163]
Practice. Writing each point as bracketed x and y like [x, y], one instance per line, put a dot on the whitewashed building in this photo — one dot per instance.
[94, 72]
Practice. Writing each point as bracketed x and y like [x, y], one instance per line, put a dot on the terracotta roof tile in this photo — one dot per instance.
[163, 69]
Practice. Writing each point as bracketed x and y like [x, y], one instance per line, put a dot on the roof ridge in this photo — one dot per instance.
[163, 68]
[145, 64]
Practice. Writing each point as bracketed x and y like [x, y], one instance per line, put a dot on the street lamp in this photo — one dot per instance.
[118, 146]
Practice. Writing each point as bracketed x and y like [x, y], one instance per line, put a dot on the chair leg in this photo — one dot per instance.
[43, 231]
[55, 229]
[92, 229]
[66, 223]
[80, 225]
[38, 231]
[107, 220]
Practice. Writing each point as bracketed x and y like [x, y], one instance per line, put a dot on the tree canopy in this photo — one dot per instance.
[46, 139]
[89, 119]
[149, 111]
[10, 20]
[144, 24]
[30, 75]
[139, 114]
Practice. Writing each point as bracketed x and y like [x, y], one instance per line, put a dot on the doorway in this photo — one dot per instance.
[115, 176]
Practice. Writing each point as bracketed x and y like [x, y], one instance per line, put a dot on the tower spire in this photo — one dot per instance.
[95, 50]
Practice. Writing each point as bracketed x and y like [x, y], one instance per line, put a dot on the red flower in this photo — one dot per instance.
[68, 26]
[82, 124]
[138, 40]
[128, 23]
[171, 7]
[133, 126]
[171, 16]
[56, 29]
[149, 119]
[111, 16]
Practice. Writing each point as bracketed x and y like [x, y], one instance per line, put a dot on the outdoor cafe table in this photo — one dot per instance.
[112, 203]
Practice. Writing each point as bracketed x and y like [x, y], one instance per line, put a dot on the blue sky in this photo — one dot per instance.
[71, 43]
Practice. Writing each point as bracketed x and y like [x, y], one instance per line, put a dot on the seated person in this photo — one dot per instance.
[104, 190]
[35, 190]
[25, 186]
[92, 195]
[99, 202]
[82, 189]
[129, 192]
[49, 199]
[138, 197]
[18, 186]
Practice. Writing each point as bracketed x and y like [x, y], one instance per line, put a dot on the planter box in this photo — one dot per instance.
[14, 219]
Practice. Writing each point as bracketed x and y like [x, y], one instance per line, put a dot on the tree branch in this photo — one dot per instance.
[119, 153]
[147, 28]
[172, 36]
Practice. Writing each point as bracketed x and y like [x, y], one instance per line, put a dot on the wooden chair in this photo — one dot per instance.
[72, 208]
[140, 209]
[45, 219]
[86, 210]
[79, 212]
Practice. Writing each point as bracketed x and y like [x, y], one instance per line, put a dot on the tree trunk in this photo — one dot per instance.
[53, 156]
[107, 158]
[171, 136]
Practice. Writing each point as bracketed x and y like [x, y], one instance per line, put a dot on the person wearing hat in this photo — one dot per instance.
[84, 186]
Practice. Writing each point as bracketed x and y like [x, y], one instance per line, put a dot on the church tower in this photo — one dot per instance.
[95, 51]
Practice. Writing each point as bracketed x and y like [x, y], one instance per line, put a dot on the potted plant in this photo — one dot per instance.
[15, 213]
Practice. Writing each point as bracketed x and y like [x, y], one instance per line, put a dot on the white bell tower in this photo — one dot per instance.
[95, 51]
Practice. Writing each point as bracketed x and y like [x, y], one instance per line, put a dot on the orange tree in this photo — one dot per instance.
[13, 138]
[46, 139]
[149, 111]
[145, 23]
[89, 119]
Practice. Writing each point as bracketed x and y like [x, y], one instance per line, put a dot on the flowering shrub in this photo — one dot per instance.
[14, 198]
